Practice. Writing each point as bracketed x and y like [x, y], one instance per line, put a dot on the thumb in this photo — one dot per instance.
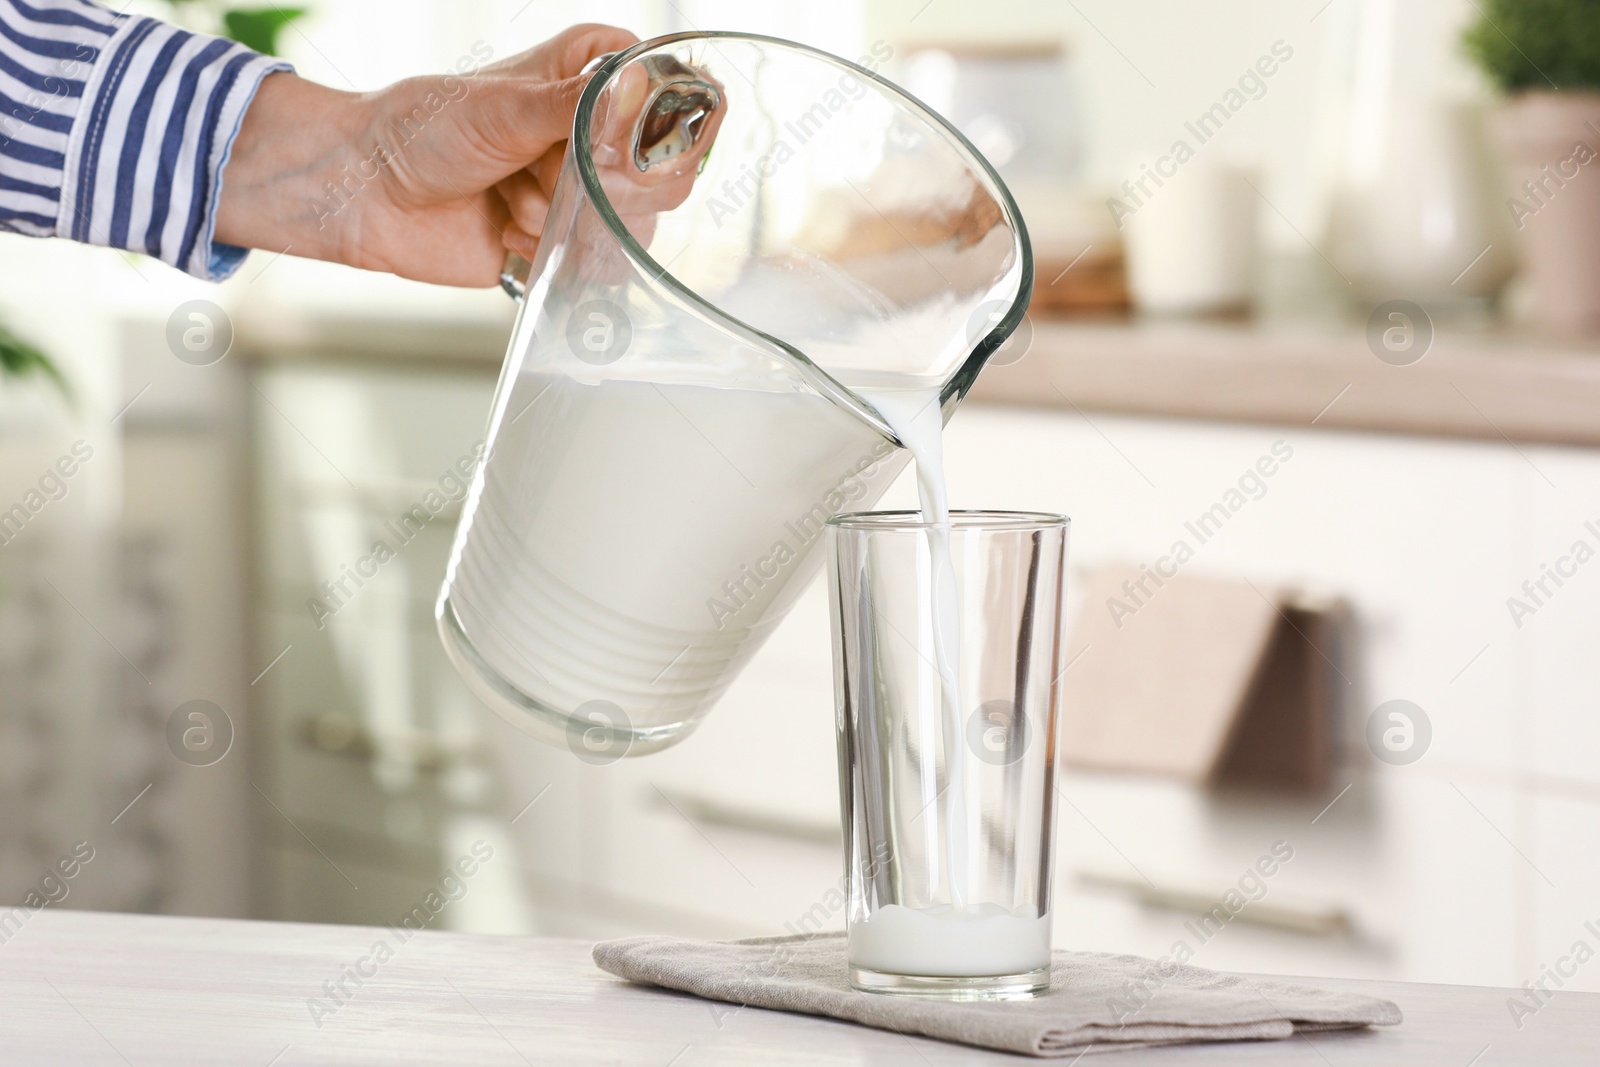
[517, 120]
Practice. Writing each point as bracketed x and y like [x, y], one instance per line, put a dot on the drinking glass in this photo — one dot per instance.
[948, 806]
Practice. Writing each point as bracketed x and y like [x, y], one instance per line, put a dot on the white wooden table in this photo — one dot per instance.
[84, 988]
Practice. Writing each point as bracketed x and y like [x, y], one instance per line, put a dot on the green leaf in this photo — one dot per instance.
[258, 27]
[20, 359]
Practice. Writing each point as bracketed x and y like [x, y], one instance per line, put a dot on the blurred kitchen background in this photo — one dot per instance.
[1335, 259]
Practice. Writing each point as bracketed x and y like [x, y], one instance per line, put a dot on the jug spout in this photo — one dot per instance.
[750, 240]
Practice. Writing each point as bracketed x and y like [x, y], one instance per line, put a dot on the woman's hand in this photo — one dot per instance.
[433, 178]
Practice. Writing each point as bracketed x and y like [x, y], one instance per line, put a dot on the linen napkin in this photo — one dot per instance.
[1095, 998]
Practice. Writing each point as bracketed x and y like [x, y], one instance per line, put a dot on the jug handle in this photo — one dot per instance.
[514, 276]
[678, 94]
[515, 270]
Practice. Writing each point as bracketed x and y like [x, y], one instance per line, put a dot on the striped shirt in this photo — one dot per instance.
[114, 130]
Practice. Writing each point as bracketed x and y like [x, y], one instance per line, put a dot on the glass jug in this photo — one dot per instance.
[749, 241]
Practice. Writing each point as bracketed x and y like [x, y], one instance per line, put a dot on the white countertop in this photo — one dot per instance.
[87, 988]
[1487, 385]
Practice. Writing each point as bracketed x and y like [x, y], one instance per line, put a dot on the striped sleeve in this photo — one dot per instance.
[114, 130]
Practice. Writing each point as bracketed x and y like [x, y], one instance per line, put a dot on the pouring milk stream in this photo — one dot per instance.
[964, 937]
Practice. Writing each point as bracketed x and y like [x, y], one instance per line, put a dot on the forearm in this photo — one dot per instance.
[288, 179]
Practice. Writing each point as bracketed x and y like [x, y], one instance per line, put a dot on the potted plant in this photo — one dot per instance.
[1545, 55]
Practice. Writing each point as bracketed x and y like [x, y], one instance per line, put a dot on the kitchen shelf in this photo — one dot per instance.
[1489, 385]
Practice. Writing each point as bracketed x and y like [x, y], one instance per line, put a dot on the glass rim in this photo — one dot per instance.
[961, 378]
[960, 519]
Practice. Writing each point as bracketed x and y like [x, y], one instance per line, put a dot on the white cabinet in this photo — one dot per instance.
[373, 777]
